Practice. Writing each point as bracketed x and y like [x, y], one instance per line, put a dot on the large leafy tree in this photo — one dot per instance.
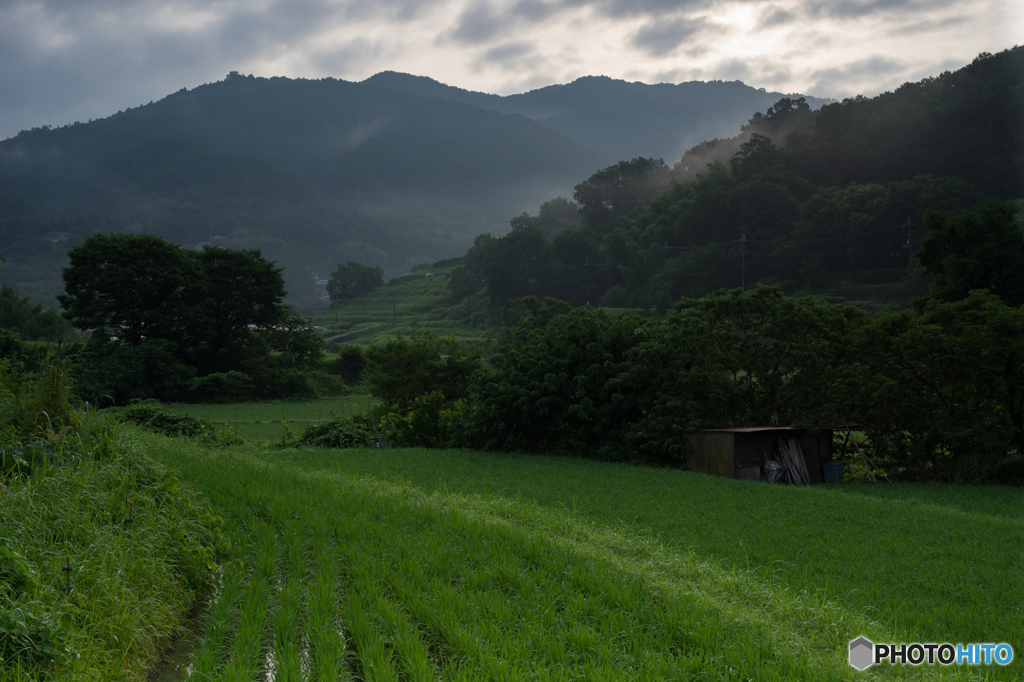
[243, 292]
[206, 304]
[137, 286]
[940, 395]
[615, 191]
[352, 279]
[777, 350]
[553, 387]
[979, 249]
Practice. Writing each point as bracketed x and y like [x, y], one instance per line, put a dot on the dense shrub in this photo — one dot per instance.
[553, 386]
[344, 432]
[29, 320]
[940, 395]
[408, 367]
[350, 364]
[110, 372]
[226, 387]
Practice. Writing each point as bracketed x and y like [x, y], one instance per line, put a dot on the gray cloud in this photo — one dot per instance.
[835, 81]
[849, 9]
[733, 70]
[533, 10]
[482, 22]
[477, 24]
[510, 51]
[776, 16]
[345, 60]
[929, 25]
[659, 38]
[652, 8]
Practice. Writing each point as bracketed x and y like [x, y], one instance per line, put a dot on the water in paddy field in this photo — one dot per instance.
[176, 663]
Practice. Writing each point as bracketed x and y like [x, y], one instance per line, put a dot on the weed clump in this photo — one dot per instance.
[158, 419]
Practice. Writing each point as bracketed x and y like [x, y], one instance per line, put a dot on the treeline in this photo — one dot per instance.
[936, 395]
[937, 391]
[804, 200]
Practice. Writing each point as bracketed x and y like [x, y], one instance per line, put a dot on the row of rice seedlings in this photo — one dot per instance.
[219, 624]
[375, 660]
[284, 661]
[250, 634]
[326, 642]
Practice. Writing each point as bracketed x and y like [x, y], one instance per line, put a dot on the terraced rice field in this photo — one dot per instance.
[456, 565]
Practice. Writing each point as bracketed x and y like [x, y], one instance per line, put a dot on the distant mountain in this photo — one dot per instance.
[616, 119]
[392, 171]
[309, 136]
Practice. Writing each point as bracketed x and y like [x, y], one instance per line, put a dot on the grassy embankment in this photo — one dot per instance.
[419, 564]
[137, 542]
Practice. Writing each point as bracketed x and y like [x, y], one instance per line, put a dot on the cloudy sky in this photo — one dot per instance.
[68, 60]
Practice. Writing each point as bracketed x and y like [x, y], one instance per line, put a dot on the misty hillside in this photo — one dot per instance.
[285, 140]
[616, 119]
[829, 202]
[318, 172]
[312, 172]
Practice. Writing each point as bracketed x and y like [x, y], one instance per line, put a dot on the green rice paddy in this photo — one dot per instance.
[461, 565]
[266, 421]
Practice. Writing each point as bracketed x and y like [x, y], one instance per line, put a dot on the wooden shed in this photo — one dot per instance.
[744, 452]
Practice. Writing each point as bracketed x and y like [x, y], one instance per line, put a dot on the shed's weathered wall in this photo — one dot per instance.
[817, 449]
[712, 453]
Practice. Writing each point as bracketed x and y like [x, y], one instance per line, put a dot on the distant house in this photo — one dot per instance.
[754, 452]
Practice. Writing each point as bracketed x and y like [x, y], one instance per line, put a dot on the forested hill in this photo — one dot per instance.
[284, 140]
[836, 201]
[312, 172]
[321, 172]
[617, 119]
[967, 124]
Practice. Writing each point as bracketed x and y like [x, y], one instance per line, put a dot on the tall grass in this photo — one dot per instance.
[140, 546]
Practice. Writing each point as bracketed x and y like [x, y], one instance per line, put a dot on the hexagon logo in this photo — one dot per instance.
[862, 653]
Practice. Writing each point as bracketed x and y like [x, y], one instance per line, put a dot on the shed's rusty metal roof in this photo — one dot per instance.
[751, 429]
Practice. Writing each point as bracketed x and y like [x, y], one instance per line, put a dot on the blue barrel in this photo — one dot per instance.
[834, 472]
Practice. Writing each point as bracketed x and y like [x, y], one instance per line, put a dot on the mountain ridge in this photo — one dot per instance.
[568, 109]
